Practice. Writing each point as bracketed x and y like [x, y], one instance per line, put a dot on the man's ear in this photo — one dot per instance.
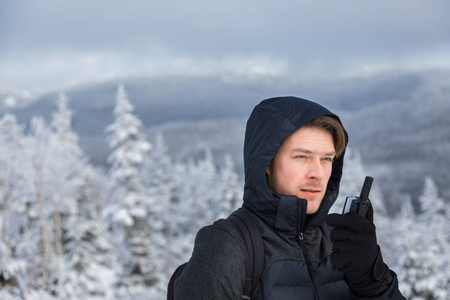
[268, 169]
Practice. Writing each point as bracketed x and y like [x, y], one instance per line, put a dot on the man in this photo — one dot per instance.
[293, 156]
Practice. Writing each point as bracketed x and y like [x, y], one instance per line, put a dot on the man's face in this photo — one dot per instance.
[303, 165]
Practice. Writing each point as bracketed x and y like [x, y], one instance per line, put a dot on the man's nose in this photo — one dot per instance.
[316, 170]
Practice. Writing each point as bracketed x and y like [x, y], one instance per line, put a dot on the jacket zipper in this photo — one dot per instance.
[301, 242]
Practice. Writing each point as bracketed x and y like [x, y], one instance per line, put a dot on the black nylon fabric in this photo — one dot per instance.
[311, 281]
[270, 123]
[307, 273]
[294, 269]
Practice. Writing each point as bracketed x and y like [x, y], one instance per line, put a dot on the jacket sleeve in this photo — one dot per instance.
[216, 269]
[392, 292]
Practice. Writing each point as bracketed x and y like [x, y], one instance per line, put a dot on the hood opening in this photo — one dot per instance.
[270, 123]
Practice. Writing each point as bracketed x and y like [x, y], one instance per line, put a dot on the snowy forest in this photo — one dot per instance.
[74, 230]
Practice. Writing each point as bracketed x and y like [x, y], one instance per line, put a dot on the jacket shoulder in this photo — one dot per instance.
[216, 269]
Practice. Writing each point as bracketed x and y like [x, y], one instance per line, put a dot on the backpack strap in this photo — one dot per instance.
[175, 275]
[255, 249]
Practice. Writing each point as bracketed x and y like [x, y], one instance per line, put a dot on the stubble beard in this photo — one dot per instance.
[272, 183]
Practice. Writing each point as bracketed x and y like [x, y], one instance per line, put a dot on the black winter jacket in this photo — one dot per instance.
[297, 248]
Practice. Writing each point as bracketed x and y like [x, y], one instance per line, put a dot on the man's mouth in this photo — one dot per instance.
[310, 190]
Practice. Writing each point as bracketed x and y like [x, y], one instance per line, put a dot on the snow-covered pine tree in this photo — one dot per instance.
[68, 163]
[11, 138]
[52, 180]
[422, 266]
[80, 237]
[200, 192]
[36, 241]
[11, 190]
[433, 211]
[207, 188]
[231, 190]
[408, 258]
[129, 209]
[159, 167]
[159, 178]
[433, 219]
[179, 218]
[195, 200]
[161, 186]
[30, 212]
[88, 248]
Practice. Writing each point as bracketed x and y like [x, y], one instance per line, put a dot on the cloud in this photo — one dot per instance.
[55, 44]
[415, 61]
[60, 69]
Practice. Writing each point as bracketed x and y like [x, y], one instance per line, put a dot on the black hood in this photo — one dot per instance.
[270, 123]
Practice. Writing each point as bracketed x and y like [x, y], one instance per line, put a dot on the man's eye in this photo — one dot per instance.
[328, 159]
[301, 156]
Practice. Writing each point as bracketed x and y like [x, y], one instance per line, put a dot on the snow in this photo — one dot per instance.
[72, 231]
[123, 217]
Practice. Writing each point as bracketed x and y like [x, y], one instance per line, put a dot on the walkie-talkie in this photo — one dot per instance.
[359, 204]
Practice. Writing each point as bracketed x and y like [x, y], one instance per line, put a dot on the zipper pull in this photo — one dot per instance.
[300, 236]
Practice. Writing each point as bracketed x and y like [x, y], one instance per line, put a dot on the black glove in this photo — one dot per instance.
[356, 252]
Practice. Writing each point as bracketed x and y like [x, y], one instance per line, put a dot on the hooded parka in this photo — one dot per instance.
[297, 247]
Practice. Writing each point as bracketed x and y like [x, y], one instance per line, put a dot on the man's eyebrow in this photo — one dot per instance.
[301, 150]
[311, 152]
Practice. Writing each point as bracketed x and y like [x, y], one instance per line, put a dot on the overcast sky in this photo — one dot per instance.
[53, 44]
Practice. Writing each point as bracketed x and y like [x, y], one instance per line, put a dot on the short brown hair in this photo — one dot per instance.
[333, 126]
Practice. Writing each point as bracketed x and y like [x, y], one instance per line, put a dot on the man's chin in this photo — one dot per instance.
[312, 210]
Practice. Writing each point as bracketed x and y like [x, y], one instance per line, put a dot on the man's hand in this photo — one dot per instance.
[356, 253]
